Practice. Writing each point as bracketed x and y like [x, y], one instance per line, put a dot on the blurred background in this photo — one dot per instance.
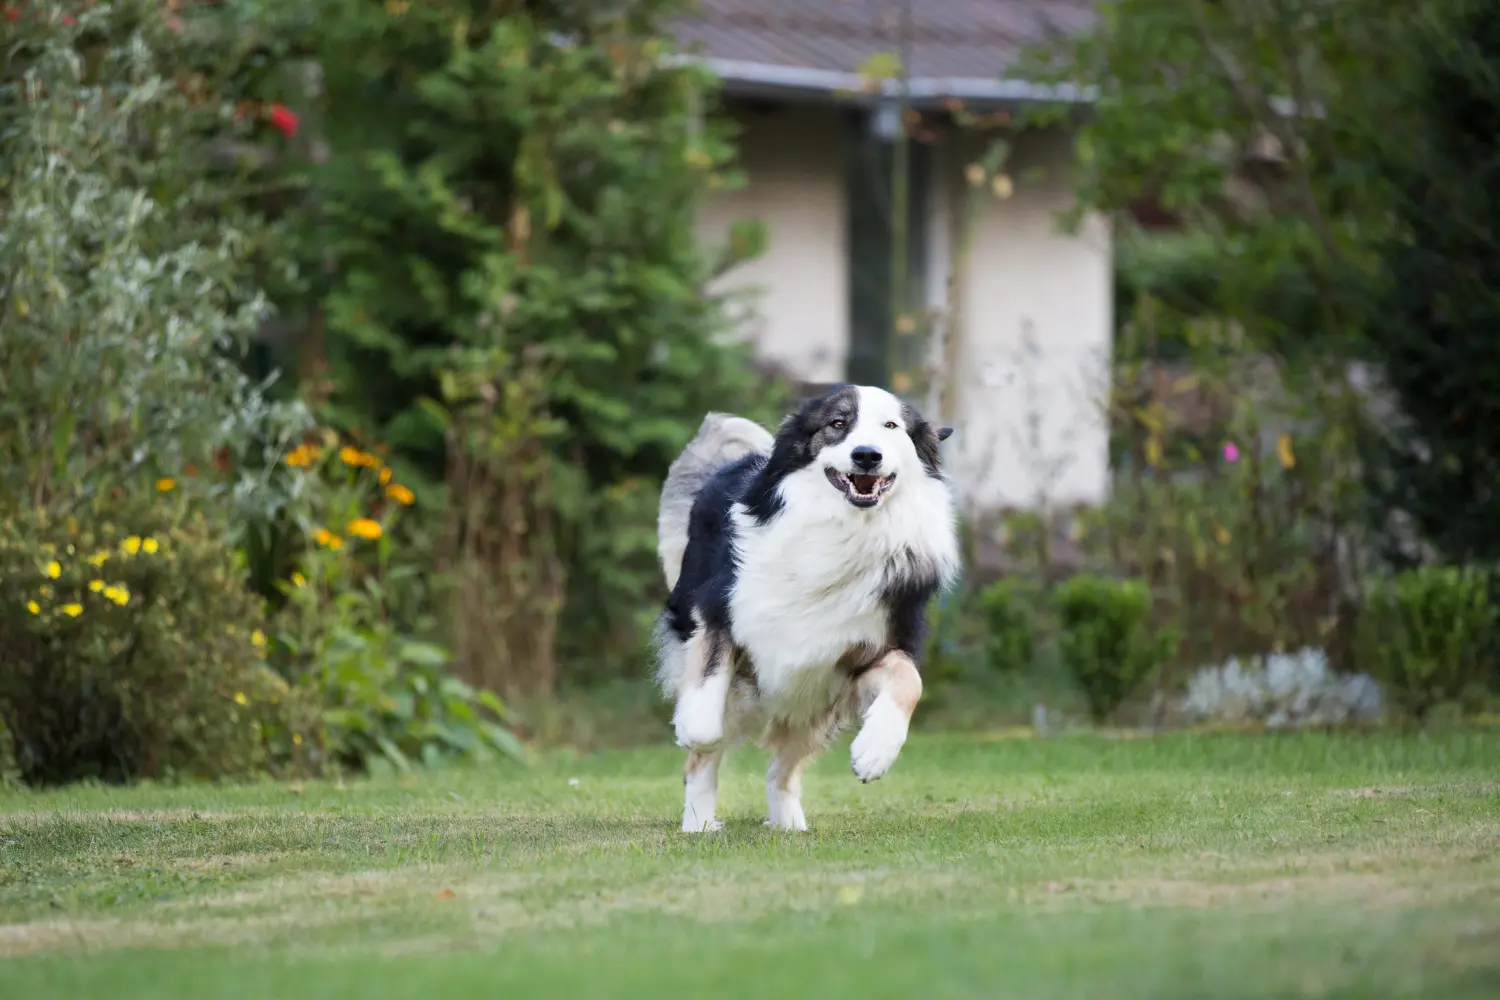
[343, 351]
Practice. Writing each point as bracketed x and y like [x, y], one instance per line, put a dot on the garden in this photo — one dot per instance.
[342, 355]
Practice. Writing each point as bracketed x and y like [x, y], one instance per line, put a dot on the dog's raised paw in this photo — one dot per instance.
[879, 741]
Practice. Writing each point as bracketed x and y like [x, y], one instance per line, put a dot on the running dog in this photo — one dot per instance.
[800, 568]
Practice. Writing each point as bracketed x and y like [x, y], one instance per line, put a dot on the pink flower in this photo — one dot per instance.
[1231, 452]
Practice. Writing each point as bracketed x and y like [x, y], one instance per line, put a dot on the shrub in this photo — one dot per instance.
[354, 597]
[1010, 618]
[132, 648]
[1106, 639]
[1288, 689]
[1429, 636]
[126, 266]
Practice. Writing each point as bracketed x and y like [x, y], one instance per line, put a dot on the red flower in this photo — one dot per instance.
[284, 119]
[12, 14]
[69, 19]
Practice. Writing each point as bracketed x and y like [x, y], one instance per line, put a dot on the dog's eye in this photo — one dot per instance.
[890, 425]
[837, 425]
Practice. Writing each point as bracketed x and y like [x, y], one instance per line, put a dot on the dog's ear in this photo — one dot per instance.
[944, 433]
[924, 438]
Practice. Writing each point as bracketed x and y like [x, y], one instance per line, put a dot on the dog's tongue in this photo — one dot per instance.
[864, 484]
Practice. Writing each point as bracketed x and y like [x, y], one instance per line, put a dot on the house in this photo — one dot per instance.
[1034, 305]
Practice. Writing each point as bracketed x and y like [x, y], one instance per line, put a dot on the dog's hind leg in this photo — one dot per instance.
[700, 781]
[704, 692]
[791, 748]
[888, 694]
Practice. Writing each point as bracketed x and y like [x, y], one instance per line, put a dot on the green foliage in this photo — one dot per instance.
[132, 647]
[390, 701]
[1429, 636]
[1198, 115]
[354, 600]
[1107, 639]
[528, 178]
[124, 271]
[1009, 610]
[1435, 299]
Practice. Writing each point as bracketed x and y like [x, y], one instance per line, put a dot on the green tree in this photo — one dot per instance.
[1435, 298]
[511, 192]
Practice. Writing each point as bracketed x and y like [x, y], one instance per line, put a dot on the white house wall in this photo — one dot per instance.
[1038, 328]
[793, 158]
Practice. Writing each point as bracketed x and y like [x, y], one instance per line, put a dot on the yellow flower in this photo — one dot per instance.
[364, 527]
[166, 484]
[33, 607]
[400, 494]
[53, 570]
[96, 585]
[1222, 534]
[97, 559]
[385, 475]
[149, 546]
[299, 580]
[1284, 452]
[72, 610]
[131, 545]
[297, 739]
[328, 539]
[119, 595]
[240, 699]
[258, 639]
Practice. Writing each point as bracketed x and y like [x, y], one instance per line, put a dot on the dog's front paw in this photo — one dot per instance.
[699, 733]
[879, 741]
[692, 824]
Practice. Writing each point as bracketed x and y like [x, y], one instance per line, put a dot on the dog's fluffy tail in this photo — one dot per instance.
[722, 438]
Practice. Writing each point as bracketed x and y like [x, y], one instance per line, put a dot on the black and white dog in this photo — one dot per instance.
[801, 567]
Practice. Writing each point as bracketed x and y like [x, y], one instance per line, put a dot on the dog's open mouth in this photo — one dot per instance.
[861, 491]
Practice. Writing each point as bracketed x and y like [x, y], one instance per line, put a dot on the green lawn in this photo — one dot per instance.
[1173, 867]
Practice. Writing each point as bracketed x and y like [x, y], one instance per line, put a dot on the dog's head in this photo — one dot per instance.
[862, 440]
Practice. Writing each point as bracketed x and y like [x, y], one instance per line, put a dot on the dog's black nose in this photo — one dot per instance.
[865, 458]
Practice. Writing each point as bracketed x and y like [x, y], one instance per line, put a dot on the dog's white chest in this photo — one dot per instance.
[799, 604]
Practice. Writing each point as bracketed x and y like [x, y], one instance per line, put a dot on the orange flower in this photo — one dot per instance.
[400, 494]
[364, 527]
[385, 476]
[166, 484]
[303, 455]
[353, 456]
[328, 539]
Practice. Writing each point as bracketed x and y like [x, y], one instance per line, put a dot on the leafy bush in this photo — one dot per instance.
[126, 263]
[353, 597]
[1288, 689]
[1429, 635]
[132, 648]
[1009, 613]
[1107, 640]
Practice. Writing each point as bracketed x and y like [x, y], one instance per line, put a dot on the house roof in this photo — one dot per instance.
[954, 48]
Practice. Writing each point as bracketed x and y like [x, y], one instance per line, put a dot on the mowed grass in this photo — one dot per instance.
[1176, 866]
